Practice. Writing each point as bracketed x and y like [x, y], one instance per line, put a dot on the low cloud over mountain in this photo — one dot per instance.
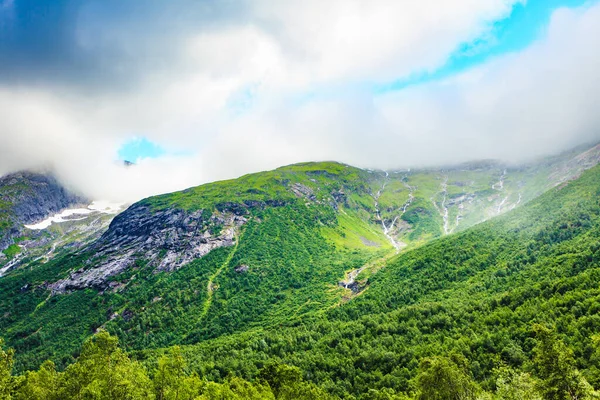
[233, 87]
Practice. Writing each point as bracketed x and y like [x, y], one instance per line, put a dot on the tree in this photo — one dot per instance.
[42, 384]
[235, 388]
[280, 376]
[171, 381]
[383, 394]
[442, 378]
[515, 385]
[560, 379]
[286, 383]
[103, 371]
[7, 381]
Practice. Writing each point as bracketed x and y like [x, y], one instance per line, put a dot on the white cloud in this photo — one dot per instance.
[376, 40]
[540, 100]
[275, 56]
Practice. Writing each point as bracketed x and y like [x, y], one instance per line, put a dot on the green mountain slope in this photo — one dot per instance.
[477, 293]
[265, 253]
[417, 205]
[479, 299]
[284, 260]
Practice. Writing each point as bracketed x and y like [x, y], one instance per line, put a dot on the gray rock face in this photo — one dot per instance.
[301, 190]
[168, 239]
[92, 278]
[28, 197]
[240, 269]
[35, 196]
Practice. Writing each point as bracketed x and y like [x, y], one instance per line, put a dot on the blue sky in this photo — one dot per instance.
[526, 24]
[139, 148]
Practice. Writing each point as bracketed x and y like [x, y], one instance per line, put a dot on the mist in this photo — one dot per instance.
[243, 86]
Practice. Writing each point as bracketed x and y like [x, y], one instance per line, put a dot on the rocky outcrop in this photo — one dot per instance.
[301, 190]
[240, 269]
[168, 239]
[28, 197]
[338, 198]
[35, 196]
[93, 277]
[572, 168]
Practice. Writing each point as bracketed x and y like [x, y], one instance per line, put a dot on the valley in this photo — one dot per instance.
[333, 269]
[300, 200]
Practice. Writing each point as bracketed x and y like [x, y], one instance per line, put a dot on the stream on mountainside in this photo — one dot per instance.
[348, 282]
[350, 279]
[444, 208]
[459, 216]
[499, 186]
[388, 229]
[517, 203]
[13, 262]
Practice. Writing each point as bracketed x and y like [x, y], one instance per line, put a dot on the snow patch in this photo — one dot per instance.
[103, 207]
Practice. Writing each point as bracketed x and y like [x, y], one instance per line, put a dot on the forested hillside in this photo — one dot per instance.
[476, 298]
[299, 273]
[213, 266]
[508, 308]
[300, 200]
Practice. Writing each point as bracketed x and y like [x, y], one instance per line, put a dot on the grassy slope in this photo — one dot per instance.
[477, 293]
[296, 253]
[469, 197]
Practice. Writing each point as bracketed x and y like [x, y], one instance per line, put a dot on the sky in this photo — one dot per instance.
[194, 91]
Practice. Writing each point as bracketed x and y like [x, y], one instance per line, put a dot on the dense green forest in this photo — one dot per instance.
[104, 371]
[477, 294]
[505, 309]
[308, 226]
[295, 252]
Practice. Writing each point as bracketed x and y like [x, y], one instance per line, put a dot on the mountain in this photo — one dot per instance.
[27, 197]
[41, 218]
[474, 297]
[419, 205]
[300, 265]
[375, 209]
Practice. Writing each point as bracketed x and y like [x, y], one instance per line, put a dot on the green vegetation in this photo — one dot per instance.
[295, 251]
[320, 178]
[474, 296]
[504, 309]
[104, 371]
[351, 232]
[12, 250]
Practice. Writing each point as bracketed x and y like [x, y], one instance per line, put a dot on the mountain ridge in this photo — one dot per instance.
[246, 254]
[504, 309]
[477, 293]
[28, 197]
